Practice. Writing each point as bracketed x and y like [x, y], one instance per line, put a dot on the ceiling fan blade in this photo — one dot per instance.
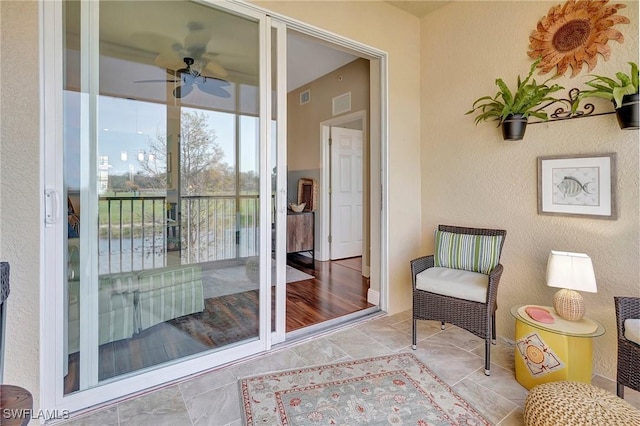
[156, 81]
[170, 60]
[212, 81]
[197, 40]
[214, 69]
[182, 91]
[154, 42]
[212, 88]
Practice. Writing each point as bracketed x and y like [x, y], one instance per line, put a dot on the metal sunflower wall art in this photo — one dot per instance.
[574, 33]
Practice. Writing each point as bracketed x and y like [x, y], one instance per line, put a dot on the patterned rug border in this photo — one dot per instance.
[246, 403]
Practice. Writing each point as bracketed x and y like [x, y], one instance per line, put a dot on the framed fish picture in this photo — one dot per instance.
[577, 185]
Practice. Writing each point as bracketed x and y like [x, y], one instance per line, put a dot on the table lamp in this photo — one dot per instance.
[570, 272]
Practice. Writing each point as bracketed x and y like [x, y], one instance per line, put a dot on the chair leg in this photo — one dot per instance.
[487, 357]
[493, 328]
[414, 335]
[620, 390]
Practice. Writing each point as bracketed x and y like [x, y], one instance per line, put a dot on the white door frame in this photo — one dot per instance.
[325, 176]
[378, 140]
[280, 207]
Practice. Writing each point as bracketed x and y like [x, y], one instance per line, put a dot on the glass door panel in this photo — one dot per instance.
[162, 179]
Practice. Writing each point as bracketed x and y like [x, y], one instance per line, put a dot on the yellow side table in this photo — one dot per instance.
[561, 350]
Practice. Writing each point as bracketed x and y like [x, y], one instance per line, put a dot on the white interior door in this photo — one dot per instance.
[346, 193]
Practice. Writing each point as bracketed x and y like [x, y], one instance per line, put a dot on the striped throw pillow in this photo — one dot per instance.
[476, 253]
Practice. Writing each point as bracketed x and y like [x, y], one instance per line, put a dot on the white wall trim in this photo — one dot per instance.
[323, 246]
[373, 297]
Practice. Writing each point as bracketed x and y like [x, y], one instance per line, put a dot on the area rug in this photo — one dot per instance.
[393, 389]
[233, 279]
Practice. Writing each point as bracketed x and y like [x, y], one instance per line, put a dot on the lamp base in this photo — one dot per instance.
[569, 304]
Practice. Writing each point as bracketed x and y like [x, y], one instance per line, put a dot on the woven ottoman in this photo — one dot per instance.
[576, 403]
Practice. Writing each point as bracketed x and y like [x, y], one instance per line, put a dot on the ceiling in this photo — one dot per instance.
[418, 8]
[309, 59]
[226, 39]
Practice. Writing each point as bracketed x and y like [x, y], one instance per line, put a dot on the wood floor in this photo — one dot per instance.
[336, 290]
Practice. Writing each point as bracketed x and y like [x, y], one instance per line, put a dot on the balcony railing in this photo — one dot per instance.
[143, 232]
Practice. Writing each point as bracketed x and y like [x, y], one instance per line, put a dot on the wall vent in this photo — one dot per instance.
[342, 104]
[305, 97]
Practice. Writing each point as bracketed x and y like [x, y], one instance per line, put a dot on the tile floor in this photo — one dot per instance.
[455, 355]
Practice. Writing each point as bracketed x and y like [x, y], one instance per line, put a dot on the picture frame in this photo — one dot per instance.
[308, 193]
[578, 186]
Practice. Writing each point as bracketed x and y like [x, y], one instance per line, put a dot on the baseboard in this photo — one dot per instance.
[373, 297]
[366, 271]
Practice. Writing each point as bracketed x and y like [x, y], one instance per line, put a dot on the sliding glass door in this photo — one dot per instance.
[169, 176]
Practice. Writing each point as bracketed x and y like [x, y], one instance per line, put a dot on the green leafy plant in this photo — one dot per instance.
[610, 89]
[525, 100]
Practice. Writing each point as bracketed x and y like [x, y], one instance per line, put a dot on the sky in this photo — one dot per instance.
[125, 127]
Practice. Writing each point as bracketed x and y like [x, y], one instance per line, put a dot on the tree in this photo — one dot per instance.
[202, 172]
[199, 153]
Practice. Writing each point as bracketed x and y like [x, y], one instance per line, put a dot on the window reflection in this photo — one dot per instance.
[177, 177]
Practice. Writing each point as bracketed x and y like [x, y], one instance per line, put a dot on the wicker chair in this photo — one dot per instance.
[477, 318]
[628, 352]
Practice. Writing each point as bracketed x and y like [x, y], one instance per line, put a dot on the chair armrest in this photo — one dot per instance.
[418, 265]
[625, 307]
[492, 289]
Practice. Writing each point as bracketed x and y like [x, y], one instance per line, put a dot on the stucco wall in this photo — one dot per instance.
[387, 28]
[19, 189]
[472, 177]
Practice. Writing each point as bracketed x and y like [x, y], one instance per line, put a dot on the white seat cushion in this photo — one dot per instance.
[632, 330]
[457, 283]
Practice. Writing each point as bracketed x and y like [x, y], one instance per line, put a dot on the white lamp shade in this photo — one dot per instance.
[572, 271]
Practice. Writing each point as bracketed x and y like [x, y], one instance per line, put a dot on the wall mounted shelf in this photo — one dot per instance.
[561, 114]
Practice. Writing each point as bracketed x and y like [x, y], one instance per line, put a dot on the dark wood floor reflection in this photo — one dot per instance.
[336, 290]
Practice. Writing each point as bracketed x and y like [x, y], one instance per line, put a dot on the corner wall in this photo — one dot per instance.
[471, 177]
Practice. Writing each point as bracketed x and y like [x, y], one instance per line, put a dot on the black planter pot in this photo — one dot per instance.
[513, 127]
[628, 114]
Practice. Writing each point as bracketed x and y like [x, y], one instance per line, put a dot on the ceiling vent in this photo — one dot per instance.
[305, 97]
[342, 104]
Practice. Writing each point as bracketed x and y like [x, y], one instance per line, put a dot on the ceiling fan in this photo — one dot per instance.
[189, 62]
[189, 76]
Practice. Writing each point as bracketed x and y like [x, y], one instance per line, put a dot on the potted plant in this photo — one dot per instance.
[512, 109]
[623, 94]
[173, 243]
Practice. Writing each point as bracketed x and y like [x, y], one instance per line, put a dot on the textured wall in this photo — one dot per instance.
[472, 177]
[19, 189]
